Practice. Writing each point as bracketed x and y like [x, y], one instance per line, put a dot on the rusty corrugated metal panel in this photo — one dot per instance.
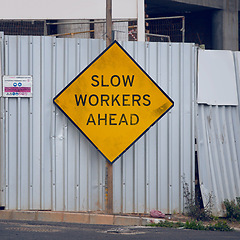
[50, 165]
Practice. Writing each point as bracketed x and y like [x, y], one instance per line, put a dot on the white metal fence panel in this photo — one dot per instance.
[2, 162]
[237, 64]
[49, 164]
[150, 174]
[218, 138]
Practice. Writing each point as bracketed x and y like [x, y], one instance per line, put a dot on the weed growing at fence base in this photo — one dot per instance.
[194, 225]
[194, 207]
[168, 224]
[233, 209]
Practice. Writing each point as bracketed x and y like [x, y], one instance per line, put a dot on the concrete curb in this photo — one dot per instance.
[76, 217]
[73, 217]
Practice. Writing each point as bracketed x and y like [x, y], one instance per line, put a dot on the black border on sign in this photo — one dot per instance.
[114, 42]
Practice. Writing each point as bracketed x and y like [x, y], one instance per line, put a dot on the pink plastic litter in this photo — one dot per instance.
[157, 214]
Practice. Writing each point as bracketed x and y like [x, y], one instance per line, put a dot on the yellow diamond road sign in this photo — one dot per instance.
[113, 102]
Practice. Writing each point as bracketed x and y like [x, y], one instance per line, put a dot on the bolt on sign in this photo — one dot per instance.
[113, 102]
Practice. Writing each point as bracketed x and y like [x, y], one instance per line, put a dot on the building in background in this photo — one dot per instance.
[213, 24]
[82, 19]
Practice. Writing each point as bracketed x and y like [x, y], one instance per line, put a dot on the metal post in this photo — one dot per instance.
[183, 29]
[109, 187]
[109, 22]
[45, 28]
[141, 20]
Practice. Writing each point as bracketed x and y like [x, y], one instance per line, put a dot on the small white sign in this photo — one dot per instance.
[17, 86]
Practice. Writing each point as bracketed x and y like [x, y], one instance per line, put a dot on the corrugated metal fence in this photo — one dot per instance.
[47, 164]
[218, 138]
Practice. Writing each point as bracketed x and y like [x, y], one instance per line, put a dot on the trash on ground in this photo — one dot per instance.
[157, 214]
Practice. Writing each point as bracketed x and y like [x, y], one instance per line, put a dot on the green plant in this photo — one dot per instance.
[232, 209]
[168, 224]
[215, 218]
[194, 207]
[219, 226]
[194, 225]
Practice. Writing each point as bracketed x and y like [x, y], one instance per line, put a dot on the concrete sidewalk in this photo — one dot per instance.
[73, 217]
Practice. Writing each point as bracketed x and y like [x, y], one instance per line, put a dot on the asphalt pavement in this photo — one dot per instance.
[36, 230]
